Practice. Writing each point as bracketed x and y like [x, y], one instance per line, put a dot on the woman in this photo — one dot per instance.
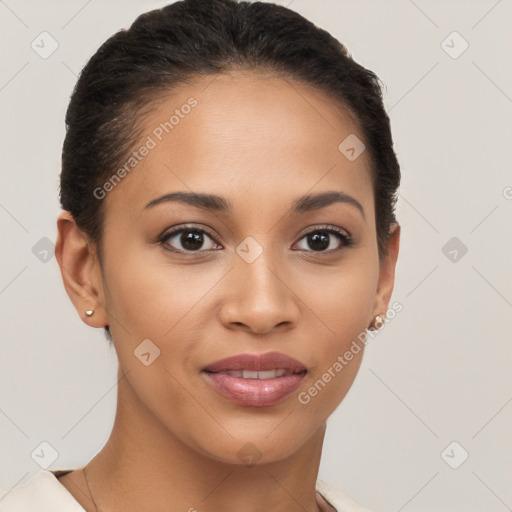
[228, 189]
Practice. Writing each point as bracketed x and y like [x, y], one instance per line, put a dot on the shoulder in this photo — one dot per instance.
[42, 492]
[338, 499]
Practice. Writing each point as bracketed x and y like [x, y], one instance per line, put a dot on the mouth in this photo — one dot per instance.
[256, 380]
[263, 375]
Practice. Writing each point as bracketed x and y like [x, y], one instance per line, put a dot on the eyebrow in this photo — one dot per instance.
[216, 203]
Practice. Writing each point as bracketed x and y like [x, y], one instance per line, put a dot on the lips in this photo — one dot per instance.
[257, 363]
[256, 380]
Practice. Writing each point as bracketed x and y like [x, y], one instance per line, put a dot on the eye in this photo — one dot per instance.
[188, 239]
[326, 239]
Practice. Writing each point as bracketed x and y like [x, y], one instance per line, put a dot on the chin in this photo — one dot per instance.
[254, 446]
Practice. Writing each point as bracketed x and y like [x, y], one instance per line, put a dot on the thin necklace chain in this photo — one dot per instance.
[89, 489]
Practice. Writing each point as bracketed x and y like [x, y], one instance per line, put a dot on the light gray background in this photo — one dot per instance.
[440, 372]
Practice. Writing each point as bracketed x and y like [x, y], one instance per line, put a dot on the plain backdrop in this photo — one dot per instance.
[427, 423]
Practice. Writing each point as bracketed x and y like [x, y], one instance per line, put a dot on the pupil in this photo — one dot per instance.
[191, 240]
[319, 241]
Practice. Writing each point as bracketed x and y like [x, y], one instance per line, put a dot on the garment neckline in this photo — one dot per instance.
[60, 472]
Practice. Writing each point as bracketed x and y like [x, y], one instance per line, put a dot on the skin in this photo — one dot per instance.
[260, 142]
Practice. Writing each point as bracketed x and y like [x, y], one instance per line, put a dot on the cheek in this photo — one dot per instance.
[166, 303]
[148, 297]
[341, 301]
[340, 306]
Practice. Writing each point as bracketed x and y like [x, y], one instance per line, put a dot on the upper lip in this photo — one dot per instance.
[257, 362]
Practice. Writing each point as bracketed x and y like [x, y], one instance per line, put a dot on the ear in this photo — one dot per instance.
[387, 272]
[80, 270]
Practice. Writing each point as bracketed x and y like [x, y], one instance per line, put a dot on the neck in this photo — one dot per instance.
[143, 466]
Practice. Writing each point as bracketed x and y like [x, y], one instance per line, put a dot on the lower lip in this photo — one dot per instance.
[254, 392]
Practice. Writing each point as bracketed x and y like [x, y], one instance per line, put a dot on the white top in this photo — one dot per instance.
[43, 492]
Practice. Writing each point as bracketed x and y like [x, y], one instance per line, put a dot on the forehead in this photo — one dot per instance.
[243, 135]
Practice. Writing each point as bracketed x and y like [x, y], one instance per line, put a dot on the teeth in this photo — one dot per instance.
[270, 374]
[249, 374]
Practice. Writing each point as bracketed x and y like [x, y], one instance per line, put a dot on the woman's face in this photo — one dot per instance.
[256, 270]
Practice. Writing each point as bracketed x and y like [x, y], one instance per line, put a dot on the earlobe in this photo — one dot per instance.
[80, 271]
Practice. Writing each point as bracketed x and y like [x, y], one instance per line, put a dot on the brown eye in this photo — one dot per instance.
[326, 240]
[189, 240]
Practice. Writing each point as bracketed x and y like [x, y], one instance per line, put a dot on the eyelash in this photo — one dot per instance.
[346, 239]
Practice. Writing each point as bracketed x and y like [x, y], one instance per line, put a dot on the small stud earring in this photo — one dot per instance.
[378, 321]
[89, 312]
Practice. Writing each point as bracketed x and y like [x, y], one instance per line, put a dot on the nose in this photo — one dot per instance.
[259, 298]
